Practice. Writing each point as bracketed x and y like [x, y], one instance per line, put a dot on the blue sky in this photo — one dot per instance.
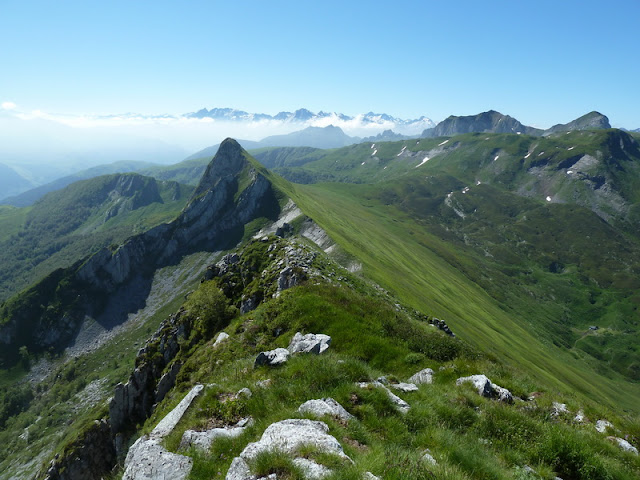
[543, 62]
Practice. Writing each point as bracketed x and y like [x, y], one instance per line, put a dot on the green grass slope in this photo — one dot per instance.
[399, 253]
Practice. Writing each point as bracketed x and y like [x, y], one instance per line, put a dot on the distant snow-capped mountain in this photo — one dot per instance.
[304, 116]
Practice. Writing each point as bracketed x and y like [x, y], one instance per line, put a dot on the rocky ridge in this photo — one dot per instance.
[213, 219]
[496, 122]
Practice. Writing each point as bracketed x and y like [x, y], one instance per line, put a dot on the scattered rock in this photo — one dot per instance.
[602, 425]
[486, 388]
[624, 445]
[405, 387]
[311, 469]
[422, 377]
[244, 392]
[290, 277]
[272, 357]
[325, 406]
[310, 343]
[427, 457]
[287, 436]
[441, 324]
[370, 476]
[580, 418]
[399, 403]
[264, 383]
[222, 336]
[204, 440]
[558, 408]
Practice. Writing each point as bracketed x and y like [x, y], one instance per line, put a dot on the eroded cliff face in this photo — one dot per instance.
[232, 192]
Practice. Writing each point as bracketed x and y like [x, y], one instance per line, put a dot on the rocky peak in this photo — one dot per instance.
[591, 121]
[228, 162]
[489, 122]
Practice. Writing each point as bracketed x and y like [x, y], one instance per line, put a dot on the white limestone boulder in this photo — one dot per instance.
[310, 343]
[325, 406]
[424, 376]
[272, 358]
[486, 388]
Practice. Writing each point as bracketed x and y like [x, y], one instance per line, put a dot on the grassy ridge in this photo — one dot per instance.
[470, 436]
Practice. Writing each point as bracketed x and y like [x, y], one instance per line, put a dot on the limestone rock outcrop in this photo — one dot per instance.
[287, 436]
[148, 459]
[424, 376]
[272, 358]
[325, 406]
[310, 343]
[486, 388]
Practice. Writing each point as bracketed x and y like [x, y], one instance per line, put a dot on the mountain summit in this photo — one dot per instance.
[496, 122]
[491, 121]
[590, 121]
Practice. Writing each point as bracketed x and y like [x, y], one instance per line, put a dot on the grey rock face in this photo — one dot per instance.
[311, 469]
[133, 402]
[422, 377]
[272, 358]
[310, 343]
[98, 456]
[215, 212]
[289, 277]
[325, 406]
[167, 381]
[249, 304]
[486, 388]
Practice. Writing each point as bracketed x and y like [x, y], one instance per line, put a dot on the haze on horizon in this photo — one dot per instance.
[74, 70]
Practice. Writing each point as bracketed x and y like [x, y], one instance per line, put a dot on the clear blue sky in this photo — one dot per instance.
[543, 62]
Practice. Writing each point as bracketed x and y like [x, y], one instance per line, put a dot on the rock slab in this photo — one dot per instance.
[147, 459]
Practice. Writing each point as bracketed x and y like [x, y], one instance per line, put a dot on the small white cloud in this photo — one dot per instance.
[9, 106]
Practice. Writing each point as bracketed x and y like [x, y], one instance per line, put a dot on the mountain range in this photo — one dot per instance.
[303, 115]
[469, 302]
